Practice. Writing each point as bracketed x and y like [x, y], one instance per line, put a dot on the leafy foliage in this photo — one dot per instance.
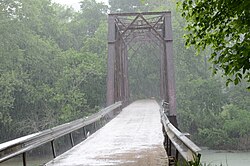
[49, 74]
[144, 71]
[224, 25]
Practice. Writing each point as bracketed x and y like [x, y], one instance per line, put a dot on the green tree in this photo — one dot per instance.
[86, 22]
[224, 25]
[49, 73]
[144, 70]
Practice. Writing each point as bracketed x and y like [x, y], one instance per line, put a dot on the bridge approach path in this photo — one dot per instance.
[133, 138]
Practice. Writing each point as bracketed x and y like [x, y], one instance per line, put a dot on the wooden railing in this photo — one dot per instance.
[24, 144]
[176, 143]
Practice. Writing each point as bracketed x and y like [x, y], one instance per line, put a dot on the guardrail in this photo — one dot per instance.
[184, 146]
[24, 144]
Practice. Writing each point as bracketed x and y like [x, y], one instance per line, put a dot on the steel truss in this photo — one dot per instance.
[125, 28]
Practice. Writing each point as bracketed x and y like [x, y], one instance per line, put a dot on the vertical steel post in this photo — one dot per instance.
[176, 155]
[169, 69]
[122, 71]
[84, 133]
[163, 82]
[117, 70]
[169, 148]
[126, 81]
[111, 60]
[53, 149]
[71, 139]
[165, 141]
[95, 127]
[24, 159]
[170, 64]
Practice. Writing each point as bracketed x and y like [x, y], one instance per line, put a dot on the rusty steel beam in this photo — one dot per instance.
[152, 28]
[168, 37]
[130, 25]
[158, 21]
[145, 27]
[126, 81]
[117, 70]
[111, 61]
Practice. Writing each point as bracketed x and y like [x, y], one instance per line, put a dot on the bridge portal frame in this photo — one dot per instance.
[126, 27]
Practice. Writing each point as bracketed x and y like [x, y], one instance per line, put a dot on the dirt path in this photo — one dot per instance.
[133, 138]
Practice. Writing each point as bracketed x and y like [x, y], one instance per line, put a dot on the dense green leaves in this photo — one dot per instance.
[230, 132]
[224, 25]
[51, 64]
[144, 71]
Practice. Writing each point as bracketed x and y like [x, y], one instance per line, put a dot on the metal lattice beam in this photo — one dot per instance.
[125, 29]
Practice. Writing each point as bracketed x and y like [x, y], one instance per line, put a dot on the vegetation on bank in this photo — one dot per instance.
[53, 70]
[221, 30]
[53, 64]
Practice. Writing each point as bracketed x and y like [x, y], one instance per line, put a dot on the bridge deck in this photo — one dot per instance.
[134, 137]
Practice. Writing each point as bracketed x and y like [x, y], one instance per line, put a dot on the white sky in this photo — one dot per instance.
[75, 3]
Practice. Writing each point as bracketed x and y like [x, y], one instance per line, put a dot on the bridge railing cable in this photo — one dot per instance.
[189, 151]
[24, 144]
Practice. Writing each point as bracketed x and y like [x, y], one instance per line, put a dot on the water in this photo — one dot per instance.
[31, 161]
[225, 158]
[210, 157]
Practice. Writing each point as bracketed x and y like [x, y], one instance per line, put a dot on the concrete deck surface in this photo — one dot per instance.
[133, 138]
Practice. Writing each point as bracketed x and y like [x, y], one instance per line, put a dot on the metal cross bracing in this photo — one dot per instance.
[125, 29]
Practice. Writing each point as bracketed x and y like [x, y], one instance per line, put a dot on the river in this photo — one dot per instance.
[210, 157]
[225, 158]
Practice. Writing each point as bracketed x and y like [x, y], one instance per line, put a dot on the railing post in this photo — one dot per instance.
[71, 139]
[102, 121]
[24, 159]
[165, 142]
[176, 155]
[98, 124]
[95, 127]
[53, 149]
[169, 148]
[84, 133]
